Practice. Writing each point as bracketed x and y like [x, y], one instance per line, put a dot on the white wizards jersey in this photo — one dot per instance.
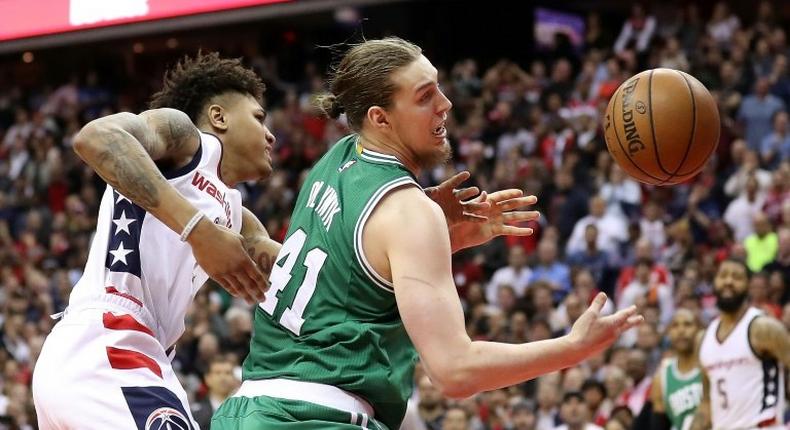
[746, 391]
[137, 261]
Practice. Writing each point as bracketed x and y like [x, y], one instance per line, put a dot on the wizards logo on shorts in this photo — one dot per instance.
[166, 419]
[156, 408]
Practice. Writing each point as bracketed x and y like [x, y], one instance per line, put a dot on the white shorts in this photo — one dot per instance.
[105, 370]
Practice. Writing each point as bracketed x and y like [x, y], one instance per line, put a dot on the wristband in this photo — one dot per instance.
[191, 225]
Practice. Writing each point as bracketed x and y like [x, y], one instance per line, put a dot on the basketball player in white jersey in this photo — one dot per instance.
[743, 354]
[168, 220]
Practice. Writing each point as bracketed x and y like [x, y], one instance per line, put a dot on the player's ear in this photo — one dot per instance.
[377, 117]
[217, 117]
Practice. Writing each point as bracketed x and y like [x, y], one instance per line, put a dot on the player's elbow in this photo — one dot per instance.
[456, 389]
[453, 382]
[91, 139]
[95, 135]
[84, 142]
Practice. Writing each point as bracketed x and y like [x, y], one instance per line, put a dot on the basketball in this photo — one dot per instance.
[661, 126]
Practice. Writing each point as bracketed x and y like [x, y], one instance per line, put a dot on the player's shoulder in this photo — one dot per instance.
[408, 202]
[765, 327]
[175, 129]
[406, 213]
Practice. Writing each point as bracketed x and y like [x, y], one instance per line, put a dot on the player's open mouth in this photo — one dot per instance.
[440, 131]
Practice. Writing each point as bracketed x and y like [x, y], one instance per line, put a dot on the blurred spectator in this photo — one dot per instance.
[741, 211]
[723, 24]
[622, 194]
[778, 194]
[585, 287]
[571, 309]
[651, 225]
[638, 30]
[757, 111]
[622, 416]
[659, 273]
[637, 370]
[779, 77]
[673, 57]
[611, 229]
[653, 293]
[762, 245]
[750, 165]
[760, 295]
[541, 299]
[781, 263]
[775, 146]
[455, 419]
[431, 405]
[220, 383]
[547, 412]
[595, 260]
[567, 203]
[551, 270]
[574, 413]
[522, 416]
[516, 275]
[239, 330]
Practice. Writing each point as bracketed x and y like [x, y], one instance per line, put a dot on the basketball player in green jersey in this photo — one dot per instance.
[363, 283]
[677, 385]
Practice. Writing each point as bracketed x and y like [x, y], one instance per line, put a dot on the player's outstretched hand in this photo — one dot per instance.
[221, 253]
[593, 333]
[456, 203]
[502, 217]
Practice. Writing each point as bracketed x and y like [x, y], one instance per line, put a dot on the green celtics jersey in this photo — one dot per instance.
[329, 317]
[682, 394]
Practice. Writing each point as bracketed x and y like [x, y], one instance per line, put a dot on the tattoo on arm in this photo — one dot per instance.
[180, 131]
[122, 148]
[259, 255]
[123, 165]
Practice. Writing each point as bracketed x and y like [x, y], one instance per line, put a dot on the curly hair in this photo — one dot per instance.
[194, 81]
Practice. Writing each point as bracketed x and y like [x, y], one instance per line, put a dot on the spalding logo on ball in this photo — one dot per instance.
[661, 126]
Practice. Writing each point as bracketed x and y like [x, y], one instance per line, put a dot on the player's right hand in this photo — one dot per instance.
[221, 253]
[592, 333]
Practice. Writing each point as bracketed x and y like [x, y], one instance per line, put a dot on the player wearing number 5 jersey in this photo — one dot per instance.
[743, 356]
[363, 283]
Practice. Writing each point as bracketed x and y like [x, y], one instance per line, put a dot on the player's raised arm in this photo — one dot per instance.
[413, 233]
[121, 148]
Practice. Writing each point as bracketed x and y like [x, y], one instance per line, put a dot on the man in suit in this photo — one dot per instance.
[221, 383]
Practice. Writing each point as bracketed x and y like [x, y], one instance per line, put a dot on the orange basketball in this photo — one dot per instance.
[661, 126]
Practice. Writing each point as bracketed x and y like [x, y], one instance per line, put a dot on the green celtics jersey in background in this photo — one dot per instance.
[682, 394]
[328, 317]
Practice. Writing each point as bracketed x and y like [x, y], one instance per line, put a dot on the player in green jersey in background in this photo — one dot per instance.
[677, 385]
[363, 282]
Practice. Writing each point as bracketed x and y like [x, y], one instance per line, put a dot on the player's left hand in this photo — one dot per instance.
[502, 217]
[455, 202]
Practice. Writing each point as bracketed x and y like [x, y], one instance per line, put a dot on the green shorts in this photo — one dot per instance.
[263, 412]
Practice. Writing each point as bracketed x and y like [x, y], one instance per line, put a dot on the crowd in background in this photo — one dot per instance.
[533, 125]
